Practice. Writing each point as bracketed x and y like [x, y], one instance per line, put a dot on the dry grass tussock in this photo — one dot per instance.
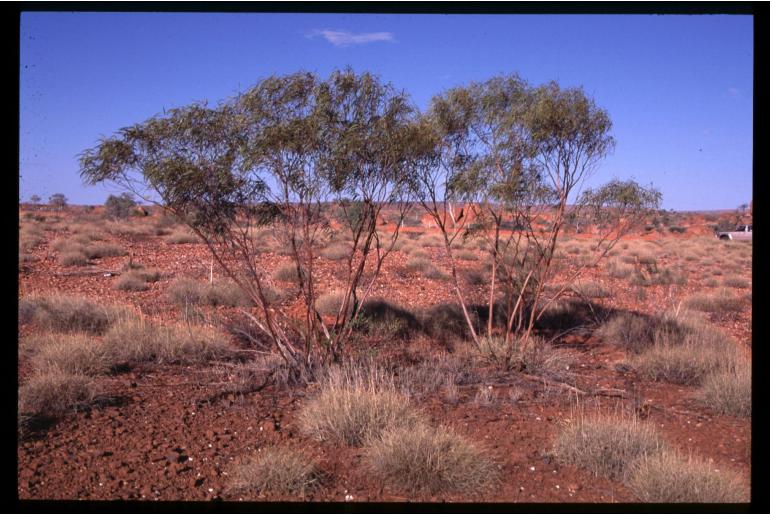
[53, 393]
[591, 290]
[431, 240]
[718, 302]
[73, 258]
[286, 272]
[73, 353]
[102, 250]
[356, 404]
[276, 470]
[606, 444]
[68, 313]
[131, 281]
[185, 291]
[728, 391]
[636, 333]
[420, 458]
[423, 267]
[670, 478]
[330, 303]
[137, 340]
[538, 357]
[683, 349]
[337, 251]
[180, 237]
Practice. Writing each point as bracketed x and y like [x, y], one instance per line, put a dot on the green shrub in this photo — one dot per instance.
[423, 459]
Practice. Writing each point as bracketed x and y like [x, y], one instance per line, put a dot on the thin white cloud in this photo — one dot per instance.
[343, 38]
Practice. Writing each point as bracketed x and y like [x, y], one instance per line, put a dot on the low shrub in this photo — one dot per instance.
[728, 391]
[630, 331]
[423, 267]
[418, 253]
[386, 320]
[661, 276]
[538, 357]
[287, 273]
[735, 282]
[184, 291]
[68, 313]
[669, 478]
[54, 393]
[330, 303]
[337, 251]
[591, 290]
[354, 406]
[720, 302]
[131, 281]
[618, 271]
[687, 363]
[73, 258]
[137, 340]
[76, 353]
[423, 459]
[605, 444]
[181, 237]
[276, 470]
[431, 240]
[104, 250]
[446, 322]
[467, 255]
[475, 278]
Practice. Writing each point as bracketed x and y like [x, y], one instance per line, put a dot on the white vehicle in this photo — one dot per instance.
[742, 232]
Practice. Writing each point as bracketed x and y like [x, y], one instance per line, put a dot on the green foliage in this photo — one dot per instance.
[120, 206]
[58, 201]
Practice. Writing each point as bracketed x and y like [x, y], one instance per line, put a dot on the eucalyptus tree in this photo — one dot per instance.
[58, 200]
[518, 155]
[369, 143]
[274, 157]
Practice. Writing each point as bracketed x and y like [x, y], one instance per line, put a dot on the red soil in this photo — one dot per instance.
[170, 435]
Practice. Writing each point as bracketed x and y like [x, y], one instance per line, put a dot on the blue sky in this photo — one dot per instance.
[679, 89]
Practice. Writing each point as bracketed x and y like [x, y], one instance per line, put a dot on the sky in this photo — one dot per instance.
[679, 89]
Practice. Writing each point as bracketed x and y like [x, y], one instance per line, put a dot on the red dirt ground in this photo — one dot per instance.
[168, 434]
